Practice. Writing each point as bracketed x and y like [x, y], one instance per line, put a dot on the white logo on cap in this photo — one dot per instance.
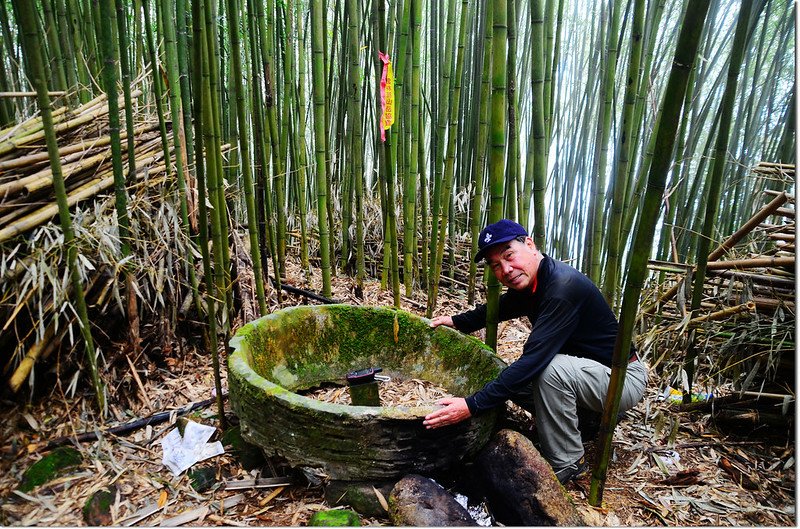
[488, 237]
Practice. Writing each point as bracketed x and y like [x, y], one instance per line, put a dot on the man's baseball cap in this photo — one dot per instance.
[501, 231]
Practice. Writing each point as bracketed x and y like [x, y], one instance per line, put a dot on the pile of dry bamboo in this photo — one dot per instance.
[35, 294]
[744, 331]
[26, 183]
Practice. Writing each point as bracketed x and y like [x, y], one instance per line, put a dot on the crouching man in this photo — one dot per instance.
[566, 360]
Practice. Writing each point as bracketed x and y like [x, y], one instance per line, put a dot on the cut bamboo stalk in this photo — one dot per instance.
[758, 262]
[724, 313]
[774, 193]
[757, 278]
[49, 211]
[83, 145]
[30, 125]
[748, 226]
[58, 93]
[12, 144]
[731, 241]
[772, 304]
[24, 368]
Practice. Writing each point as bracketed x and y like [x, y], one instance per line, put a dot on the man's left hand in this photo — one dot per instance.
[455, 410]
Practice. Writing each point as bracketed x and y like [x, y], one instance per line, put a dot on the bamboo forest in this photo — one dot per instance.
[235, 236]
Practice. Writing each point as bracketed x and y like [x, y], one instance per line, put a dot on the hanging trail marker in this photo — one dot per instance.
[387, 95]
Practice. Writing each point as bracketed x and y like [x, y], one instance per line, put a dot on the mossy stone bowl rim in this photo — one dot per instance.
[239, 362]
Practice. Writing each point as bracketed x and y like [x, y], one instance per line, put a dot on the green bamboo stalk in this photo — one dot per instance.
[263, 141]
[601, 155]
[151, 49]
[168, 10]
[200, 95]
[481, 145]
[621, 173]
[447, 184]
[6, 106]
[386, 166]
[318, 84]
[556, 49]
[356, 126]
[215, 171]
[79, 49]
[279, 172]
[122, 37]
[497, 139]
[183, 74]
[538, 132]
[67, 54]
[685, 54]
[57, 72]
[740, 42]
[405, 58]
[300, 107]
[415, 141]
[31, 45]
[108, 50]
[12, 54]
[244, 149]
[513, 197]
[91, 23]
[439, 127]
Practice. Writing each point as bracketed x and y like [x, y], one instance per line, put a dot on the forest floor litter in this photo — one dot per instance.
[669, 468]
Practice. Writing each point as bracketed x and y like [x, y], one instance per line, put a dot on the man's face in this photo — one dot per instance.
[514, 263]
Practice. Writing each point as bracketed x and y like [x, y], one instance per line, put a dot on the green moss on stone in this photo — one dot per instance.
[49, 467]
[335, 518]
[97, 509]
[204, 478]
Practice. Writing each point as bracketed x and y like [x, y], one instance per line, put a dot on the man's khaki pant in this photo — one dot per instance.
[567, 383]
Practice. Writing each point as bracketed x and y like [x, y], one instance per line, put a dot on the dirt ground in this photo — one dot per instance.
[669, 466]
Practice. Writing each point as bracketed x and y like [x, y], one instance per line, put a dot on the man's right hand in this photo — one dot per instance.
[442, 320]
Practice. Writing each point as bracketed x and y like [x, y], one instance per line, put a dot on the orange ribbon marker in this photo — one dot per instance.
[387, 95]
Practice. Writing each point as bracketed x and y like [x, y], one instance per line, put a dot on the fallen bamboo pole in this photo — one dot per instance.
[26, 365]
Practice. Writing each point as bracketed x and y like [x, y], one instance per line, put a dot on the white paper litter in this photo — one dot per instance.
[181, 453]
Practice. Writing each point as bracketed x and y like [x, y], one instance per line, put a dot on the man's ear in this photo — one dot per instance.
[529, 242]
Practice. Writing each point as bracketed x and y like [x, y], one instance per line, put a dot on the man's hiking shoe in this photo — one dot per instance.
[573, 471]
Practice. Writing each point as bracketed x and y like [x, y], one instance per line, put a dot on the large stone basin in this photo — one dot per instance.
[277, 357]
